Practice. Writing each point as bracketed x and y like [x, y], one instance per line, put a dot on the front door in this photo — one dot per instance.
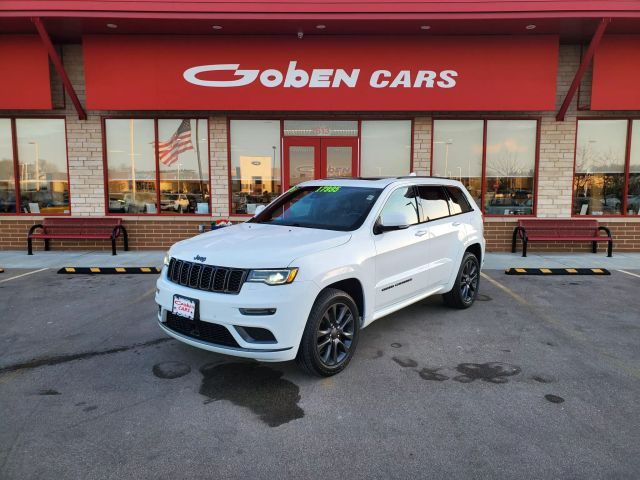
[311, 158]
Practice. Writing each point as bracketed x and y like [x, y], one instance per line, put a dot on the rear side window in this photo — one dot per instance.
[458, 202]
[433, 202]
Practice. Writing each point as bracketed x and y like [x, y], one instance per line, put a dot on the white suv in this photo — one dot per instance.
[302, 277]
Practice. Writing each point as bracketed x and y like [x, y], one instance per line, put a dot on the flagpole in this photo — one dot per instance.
[198, 155]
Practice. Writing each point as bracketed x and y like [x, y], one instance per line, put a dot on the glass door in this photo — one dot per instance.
[312, 158]
[339, 157]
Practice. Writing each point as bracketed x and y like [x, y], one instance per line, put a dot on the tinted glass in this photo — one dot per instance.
[131, 166]
[42, 156]
[385, 148]
[403, 201]
[633, 198]
[600, 156]
[327, 208]
[433, 201]
[184, 166]
[511, 163]
[255, 164]
[458, 202]
[7, 175]
[457, 152]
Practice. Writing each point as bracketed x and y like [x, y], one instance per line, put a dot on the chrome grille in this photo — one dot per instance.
[206, 277]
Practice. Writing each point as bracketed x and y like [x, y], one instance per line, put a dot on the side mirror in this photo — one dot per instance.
[259, 210]
[393, 221]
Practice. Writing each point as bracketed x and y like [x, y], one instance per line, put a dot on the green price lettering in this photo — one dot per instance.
[328, 189]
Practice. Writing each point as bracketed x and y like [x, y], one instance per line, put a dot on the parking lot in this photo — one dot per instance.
[540, 379]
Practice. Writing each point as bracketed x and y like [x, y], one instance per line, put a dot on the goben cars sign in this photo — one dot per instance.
[320, 73]
[318, 77]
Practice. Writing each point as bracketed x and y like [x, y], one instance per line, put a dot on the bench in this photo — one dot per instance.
[65, 228]
[551, 230]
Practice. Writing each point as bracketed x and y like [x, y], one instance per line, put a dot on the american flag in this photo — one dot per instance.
[178, 143]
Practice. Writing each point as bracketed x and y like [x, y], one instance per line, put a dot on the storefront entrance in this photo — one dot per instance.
[309, 158]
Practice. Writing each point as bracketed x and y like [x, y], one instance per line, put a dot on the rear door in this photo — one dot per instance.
[445, 235]
[399, 253]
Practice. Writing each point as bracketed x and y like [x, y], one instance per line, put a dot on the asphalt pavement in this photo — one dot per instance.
[539, 379]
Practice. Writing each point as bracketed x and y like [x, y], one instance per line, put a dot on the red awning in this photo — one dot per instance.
[616, 74]
[24, 82]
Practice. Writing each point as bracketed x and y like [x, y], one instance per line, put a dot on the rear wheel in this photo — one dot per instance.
[331, 334]
[465, 288]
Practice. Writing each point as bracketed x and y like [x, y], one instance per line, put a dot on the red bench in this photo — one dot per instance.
[65, 228]
[566, 230]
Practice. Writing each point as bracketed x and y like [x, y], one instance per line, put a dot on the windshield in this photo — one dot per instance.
[324, 207]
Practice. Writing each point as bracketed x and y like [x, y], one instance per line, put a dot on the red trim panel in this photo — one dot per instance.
[616, 74]
[500, 73]
[24, 82]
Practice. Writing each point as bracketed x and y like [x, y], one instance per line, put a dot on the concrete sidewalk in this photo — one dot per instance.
[493, 261]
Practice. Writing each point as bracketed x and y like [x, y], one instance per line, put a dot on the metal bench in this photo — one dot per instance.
[65, 228]
[567, 230]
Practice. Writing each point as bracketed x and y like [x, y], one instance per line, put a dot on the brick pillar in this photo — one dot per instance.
[422, 145]
[219, 169]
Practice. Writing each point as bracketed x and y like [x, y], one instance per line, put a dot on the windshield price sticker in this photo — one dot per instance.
[328, 189]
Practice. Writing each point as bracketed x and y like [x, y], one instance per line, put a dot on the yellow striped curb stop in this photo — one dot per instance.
[557, 271]
[109, 270]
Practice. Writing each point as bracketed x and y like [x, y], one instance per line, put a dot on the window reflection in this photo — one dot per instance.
[131, 166]
[255, 164]
[42, 154]
[598, 184]
[183, 160]
[7, 172]
[457, 153]
[511, 161]
[633, 194]
[386, 148]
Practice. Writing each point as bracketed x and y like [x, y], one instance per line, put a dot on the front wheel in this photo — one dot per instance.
[465, 288]
[331, 334]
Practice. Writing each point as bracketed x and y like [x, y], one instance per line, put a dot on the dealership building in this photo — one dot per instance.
[173, 115]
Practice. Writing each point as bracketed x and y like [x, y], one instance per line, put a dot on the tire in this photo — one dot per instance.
[465, 288]
[331, 334]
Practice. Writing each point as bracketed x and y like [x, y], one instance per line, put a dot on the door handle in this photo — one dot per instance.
[420, 233]
[456, 224]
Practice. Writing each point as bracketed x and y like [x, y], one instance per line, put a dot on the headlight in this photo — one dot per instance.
[166, 260]
[273, 277]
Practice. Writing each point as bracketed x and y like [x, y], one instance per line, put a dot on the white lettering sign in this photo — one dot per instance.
[295, 77]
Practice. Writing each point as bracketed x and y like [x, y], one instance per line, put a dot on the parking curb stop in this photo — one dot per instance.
[557, 271]
[109, 270]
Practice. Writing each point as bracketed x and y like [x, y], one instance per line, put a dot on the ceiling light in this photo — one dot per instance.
[112, 25]
[425, 27]
[216, 27]
[530, 27]
[321, 27]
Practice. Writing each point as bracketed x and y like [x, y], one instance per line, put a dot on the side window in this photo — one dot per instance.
[458, 202]
[433, 202]
[402, 200]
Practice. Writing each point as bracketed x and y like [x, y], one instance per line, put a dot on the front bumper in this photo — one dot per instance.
[292, 304]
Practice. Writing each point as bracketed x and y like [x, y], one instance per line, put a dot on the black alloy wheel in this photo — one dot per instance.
[331, 334]
[465, 288]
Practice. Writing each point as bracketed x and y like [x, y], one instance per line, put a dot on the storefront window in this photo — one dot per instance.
[131, 166]
[598, 184]
[255, 164]
[42, 154]
[457, 153]
[7, 171]
[633, 195]
[385, 148]
[184, 171]
[511, 163]
[181, 163]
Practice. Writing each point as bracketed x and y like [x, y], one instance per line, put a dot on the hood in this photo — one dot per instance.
[254, 245]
